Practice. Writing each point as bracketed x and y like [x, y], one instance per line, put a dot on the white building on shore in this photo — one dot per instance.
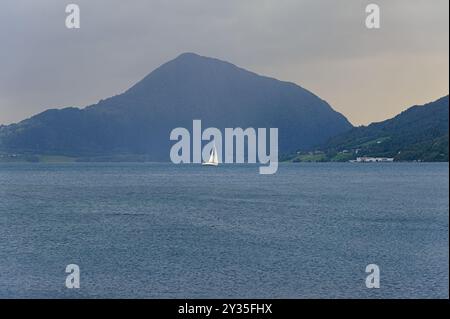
[366, 159]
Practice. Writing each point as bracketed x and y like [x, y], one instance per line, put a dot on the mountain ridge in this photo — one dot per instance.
[139, 120]
[419, 133]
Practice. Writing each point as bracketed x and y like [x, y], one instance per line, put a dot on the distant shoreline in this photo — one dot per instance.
[61, 159]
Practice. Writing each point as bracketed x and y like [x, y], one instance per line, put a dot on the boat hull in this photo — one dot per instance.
[210, 164]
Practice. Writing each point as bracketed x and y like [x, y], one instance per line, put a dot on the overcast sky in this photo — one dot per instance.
[322, 45]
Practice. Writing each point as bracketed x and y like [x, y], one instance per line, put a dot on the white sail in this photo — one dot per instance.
[213, 158]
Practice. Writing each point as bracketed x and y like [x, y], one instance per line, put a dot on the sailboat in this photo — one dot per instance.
[213, 158]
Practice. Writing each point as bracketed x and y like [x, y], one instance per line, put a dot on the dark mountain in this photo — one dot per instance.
[190, 87]
[419, 133]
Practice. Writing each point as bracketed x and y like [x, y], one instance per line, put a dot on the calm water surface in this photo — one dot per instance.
[168, 231]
